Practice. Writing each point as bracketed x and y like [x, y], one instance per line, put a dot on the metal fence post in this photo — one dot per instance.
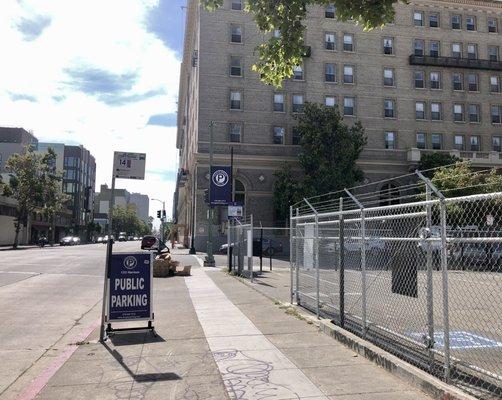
[430, 283]
[291, 258]
[250, 249]
[341, 257]
[299, 241]
[316, 262]
[446, 313]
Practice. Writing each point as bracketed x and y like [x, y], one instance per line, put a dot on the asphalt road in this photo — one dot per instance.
[45, 294]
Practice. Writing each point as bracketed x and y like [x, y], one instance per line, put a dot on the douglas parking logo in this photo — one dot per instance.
[220, 178]
[130, 262]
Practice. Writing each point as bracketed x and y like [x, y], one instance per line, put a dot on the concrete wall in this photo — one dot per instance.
[7, 231]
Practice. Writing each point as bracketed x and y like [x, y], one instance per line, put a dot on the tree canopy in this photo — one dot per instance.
[328, 156]
[126, 220]
[281, 53]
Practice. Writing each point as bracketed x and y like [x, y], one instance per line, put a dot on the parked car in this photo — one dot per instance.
[67, 241]
[99, 239]
[135, 238]
[76, 240]
[122, 237]
[130, 238]
[105, 239]
[152, 243]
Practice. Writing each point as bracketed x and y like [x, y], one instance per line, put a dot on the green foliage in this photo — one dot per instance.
[329, 151]
[126, 220]
[278, 56]
[435, 160]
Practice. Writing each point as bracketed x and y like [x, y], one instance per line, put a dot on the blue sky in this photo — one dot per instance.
[102, 73]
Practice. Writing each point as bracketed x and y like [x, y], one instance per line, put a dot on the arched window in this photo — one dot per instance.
[240, 192]
[389, 194]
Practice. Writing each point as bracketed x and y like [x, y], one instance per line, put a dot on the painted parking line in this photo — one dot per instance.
[264, 372]
[41, 380]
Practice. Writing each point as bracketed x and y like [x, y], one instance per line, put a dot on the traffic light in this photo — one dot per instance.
[159, 212]
[164, 213]
[206, 196]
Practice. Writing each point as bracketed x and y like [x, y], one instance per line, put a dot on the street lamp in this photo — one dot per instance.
[162, 218]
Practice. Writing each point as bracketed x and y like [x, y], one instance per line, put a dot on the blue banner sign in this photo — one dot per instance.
[130, 280]
[220, 186]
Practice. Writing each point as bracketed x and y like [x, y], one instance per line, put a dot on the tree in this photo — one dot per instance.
[25, 186]
[328, 155]
[53, 199]
[126, 220]
[281, 53]
[434, 160]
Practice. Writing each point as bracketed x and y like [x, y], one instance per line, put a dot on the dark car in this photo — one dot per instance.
[152, 243]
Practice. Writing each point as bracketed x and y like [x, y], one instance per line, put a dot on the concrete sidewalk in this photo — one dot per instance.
[220, 339]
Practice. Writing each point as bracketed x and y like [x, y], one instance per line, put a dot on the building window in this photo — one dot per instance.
[470, 23]
[472, 81]
[435, 80]
[475, 143]
[297, 103]
[456, 22]
[419, 110]
[458, 112]
[330, 101]
[330, 73]
[390, 140]
[348, 42]
[235, 132]
[436, 112]
[436, 141]
[492, 25]
[330, 41]
[295, 136]
[330, 11]
[496, 112]
[493, 53]
[298, 73]
[473, 113]
[421, 138]
[418, 18]
[494, 84]
[348, 74]
[434, 20]
[472, 51]
[279, 102]
[434, 48]
[236, 4]
[418, 47]
[236, 34]
[70, 174]
[497, 143]
[388, 77]
[456, 50]
[419, 79]
[240, 192]
[458, 142]
[278, 135]
[70, 161]
[458, 81]
[235, 66]
[349, 106]
[388, 45]
[389, 108]
[235, 100]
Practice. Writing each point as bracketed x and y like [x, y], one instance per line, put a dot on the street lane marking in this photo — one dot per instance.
[262, 373]
[41, 380]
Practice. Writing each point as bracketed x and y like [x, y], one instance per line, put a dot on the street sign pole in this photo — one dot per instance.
[109, 249]
[209, 261]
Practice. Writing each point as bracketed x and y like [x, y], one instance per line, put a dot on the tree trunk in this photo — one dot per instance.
[53, 230]
[16, 238]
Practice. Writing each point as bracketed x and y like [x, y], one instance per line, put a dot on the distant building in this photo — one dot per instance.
[14, 141]
[79, 182]
[142, 202]
[58, 148]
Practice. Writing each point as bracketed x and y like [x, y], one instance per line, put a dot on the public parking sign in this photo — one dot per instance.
[130, 287]
[220, 185]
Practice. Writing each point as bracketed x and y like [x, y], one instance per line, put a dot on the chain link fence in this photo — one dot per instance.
[412, 269]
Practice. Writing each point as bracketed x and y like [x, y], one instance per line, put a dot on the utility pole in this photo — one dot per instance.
[209, 261]
[162, 218]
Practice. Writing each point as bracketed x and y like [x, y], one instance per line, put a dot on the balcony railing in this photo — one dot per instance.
[453, 62]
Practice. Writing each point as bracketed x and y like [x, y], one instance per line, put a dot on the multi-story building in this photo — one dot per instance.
[142, 203]
[14, 141]
[79, 182]
[431, 81]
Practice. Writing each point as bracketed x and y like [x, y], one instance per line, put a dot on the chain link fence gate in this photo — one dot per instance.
[415, 272]
[240, 241]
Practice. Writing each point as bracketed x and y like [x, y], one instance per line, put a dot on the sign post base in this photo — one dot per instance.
[113, 331]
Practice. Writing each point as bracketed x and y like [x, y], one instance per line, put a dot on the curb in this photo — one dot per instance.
[407, 372]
